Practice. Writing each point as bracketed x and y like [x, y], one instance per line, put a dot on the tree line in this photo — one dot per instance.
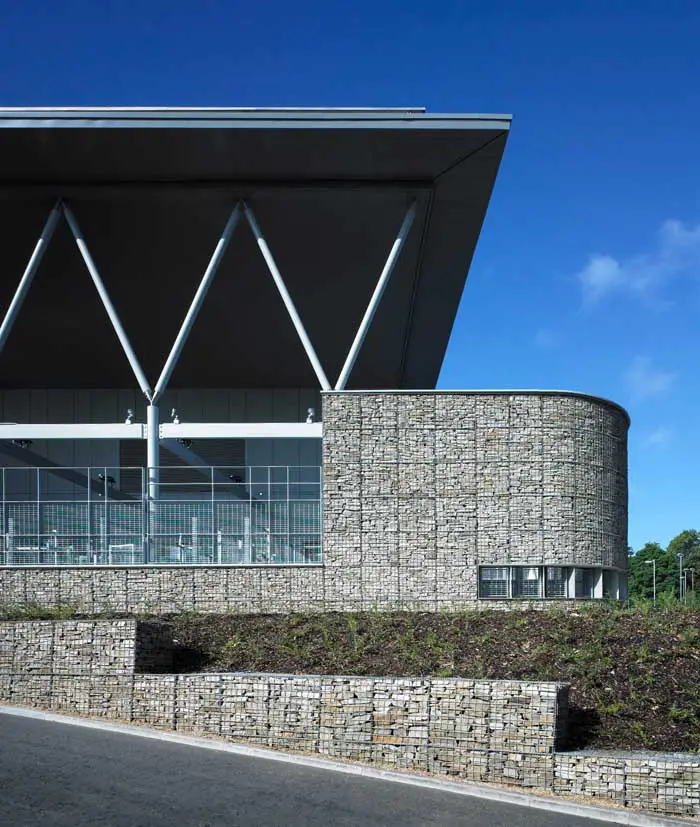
[677, 569]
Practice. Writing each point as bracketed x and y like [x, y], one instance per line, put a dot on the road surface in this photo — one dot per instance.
[62, 775]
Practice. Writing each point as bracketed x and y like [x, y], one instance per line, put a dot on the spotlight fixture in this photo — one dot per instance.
[174, 416]
[22, 443]
[310, 416]
[129, 416]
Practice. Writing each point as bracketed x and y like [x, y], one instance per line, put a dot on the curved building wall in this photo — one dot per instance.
[423, 491]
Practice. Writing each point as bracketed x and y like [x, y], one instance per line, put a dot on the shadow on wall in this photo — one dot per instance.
[583, 726]
[186, 660]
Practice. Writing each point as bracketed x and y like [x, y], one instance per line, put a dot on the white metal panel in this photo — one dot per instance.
[72, 431]
[240, 430]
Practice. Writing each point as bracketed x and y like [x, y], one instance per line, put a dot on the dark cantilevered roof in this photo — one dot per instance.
[152, 189]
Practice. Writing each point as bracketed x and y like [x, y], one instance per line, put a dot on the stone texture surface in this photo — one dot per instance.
[667, 784]
[166, 590]
[493, 731]
[419, 489]
[422, 488]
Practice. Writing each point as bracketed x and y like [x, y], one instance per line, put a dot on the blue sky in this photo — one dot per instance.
[587, 274]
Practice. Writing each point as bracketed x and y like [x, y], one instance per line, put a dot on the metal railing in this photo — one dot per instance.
[244, 515]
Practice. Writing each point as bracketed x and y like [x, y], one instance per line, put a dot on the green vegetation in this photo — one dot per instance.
[668, 570]
[32, 611]
[634, 673]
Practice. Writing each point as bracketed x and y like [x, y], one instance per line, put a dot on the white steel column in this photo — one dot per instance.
[152, 451]
[287, 299]
[28, 276]
[108, 306]
[199, 297]
[598, 584]
[152, 477]
[376, 297]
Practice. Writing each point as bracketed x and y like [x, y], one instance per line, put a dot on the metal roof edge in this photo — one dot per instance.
[189, 115]
[243, 109]
[493, 392]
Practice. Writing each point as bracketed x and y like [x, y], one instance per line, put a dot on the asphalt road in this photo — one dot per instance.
[62, 775]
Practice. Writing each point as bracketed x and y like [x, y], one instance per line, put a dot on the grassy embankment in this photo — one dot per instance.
[634, 674]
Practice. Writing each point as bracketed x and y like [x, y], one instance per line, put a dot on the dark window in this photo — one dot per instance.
[610, 585]
[585, 582]
[493, 581]
[556, 584]
[526, 581]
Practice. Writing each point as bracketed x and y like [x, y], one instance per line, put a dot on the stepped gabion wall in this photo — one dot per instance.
[491, 731]
[481, 730]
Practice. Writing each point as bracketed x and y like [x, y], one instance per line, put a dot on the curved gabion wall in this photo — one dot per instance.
[430, 496]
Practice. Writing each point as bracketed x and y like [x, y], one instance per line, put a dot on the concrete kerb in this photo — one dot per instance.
[558, 805]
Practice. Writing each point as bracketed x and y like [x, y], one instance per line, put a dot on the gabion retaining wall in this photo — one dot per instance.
[664, 783]
[492, 731]
[481, 730]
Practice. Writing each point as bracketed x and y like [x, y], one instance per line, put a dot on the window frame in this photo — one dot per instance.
[571, 579]
[505, 580]
[566, 570]
[516, 582]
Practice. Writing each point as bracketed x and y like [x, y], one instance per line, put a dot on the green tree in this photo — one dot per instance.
[668, 566]
[641, 572]
[686, 543]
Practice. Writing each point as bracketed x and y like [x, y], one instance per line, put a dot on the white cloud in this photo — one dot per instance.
[677, 253]
[659, 436]
[644, 380]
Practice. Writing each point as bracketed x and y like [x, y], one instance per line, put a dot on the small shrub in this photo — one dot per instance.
[32, 611]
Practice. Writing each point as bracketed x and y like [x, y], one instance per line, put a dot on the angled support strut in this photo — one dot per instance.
[107, 303]
[28, 275]
[287, 299]
[394, 253]
[196, 305]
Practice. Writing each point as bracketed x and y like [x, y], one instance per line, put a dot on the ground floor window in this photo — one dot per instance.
[551, 582]
[556, 581]
[526, 581]
[585, 582]
[493, 582]
[610, 584]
